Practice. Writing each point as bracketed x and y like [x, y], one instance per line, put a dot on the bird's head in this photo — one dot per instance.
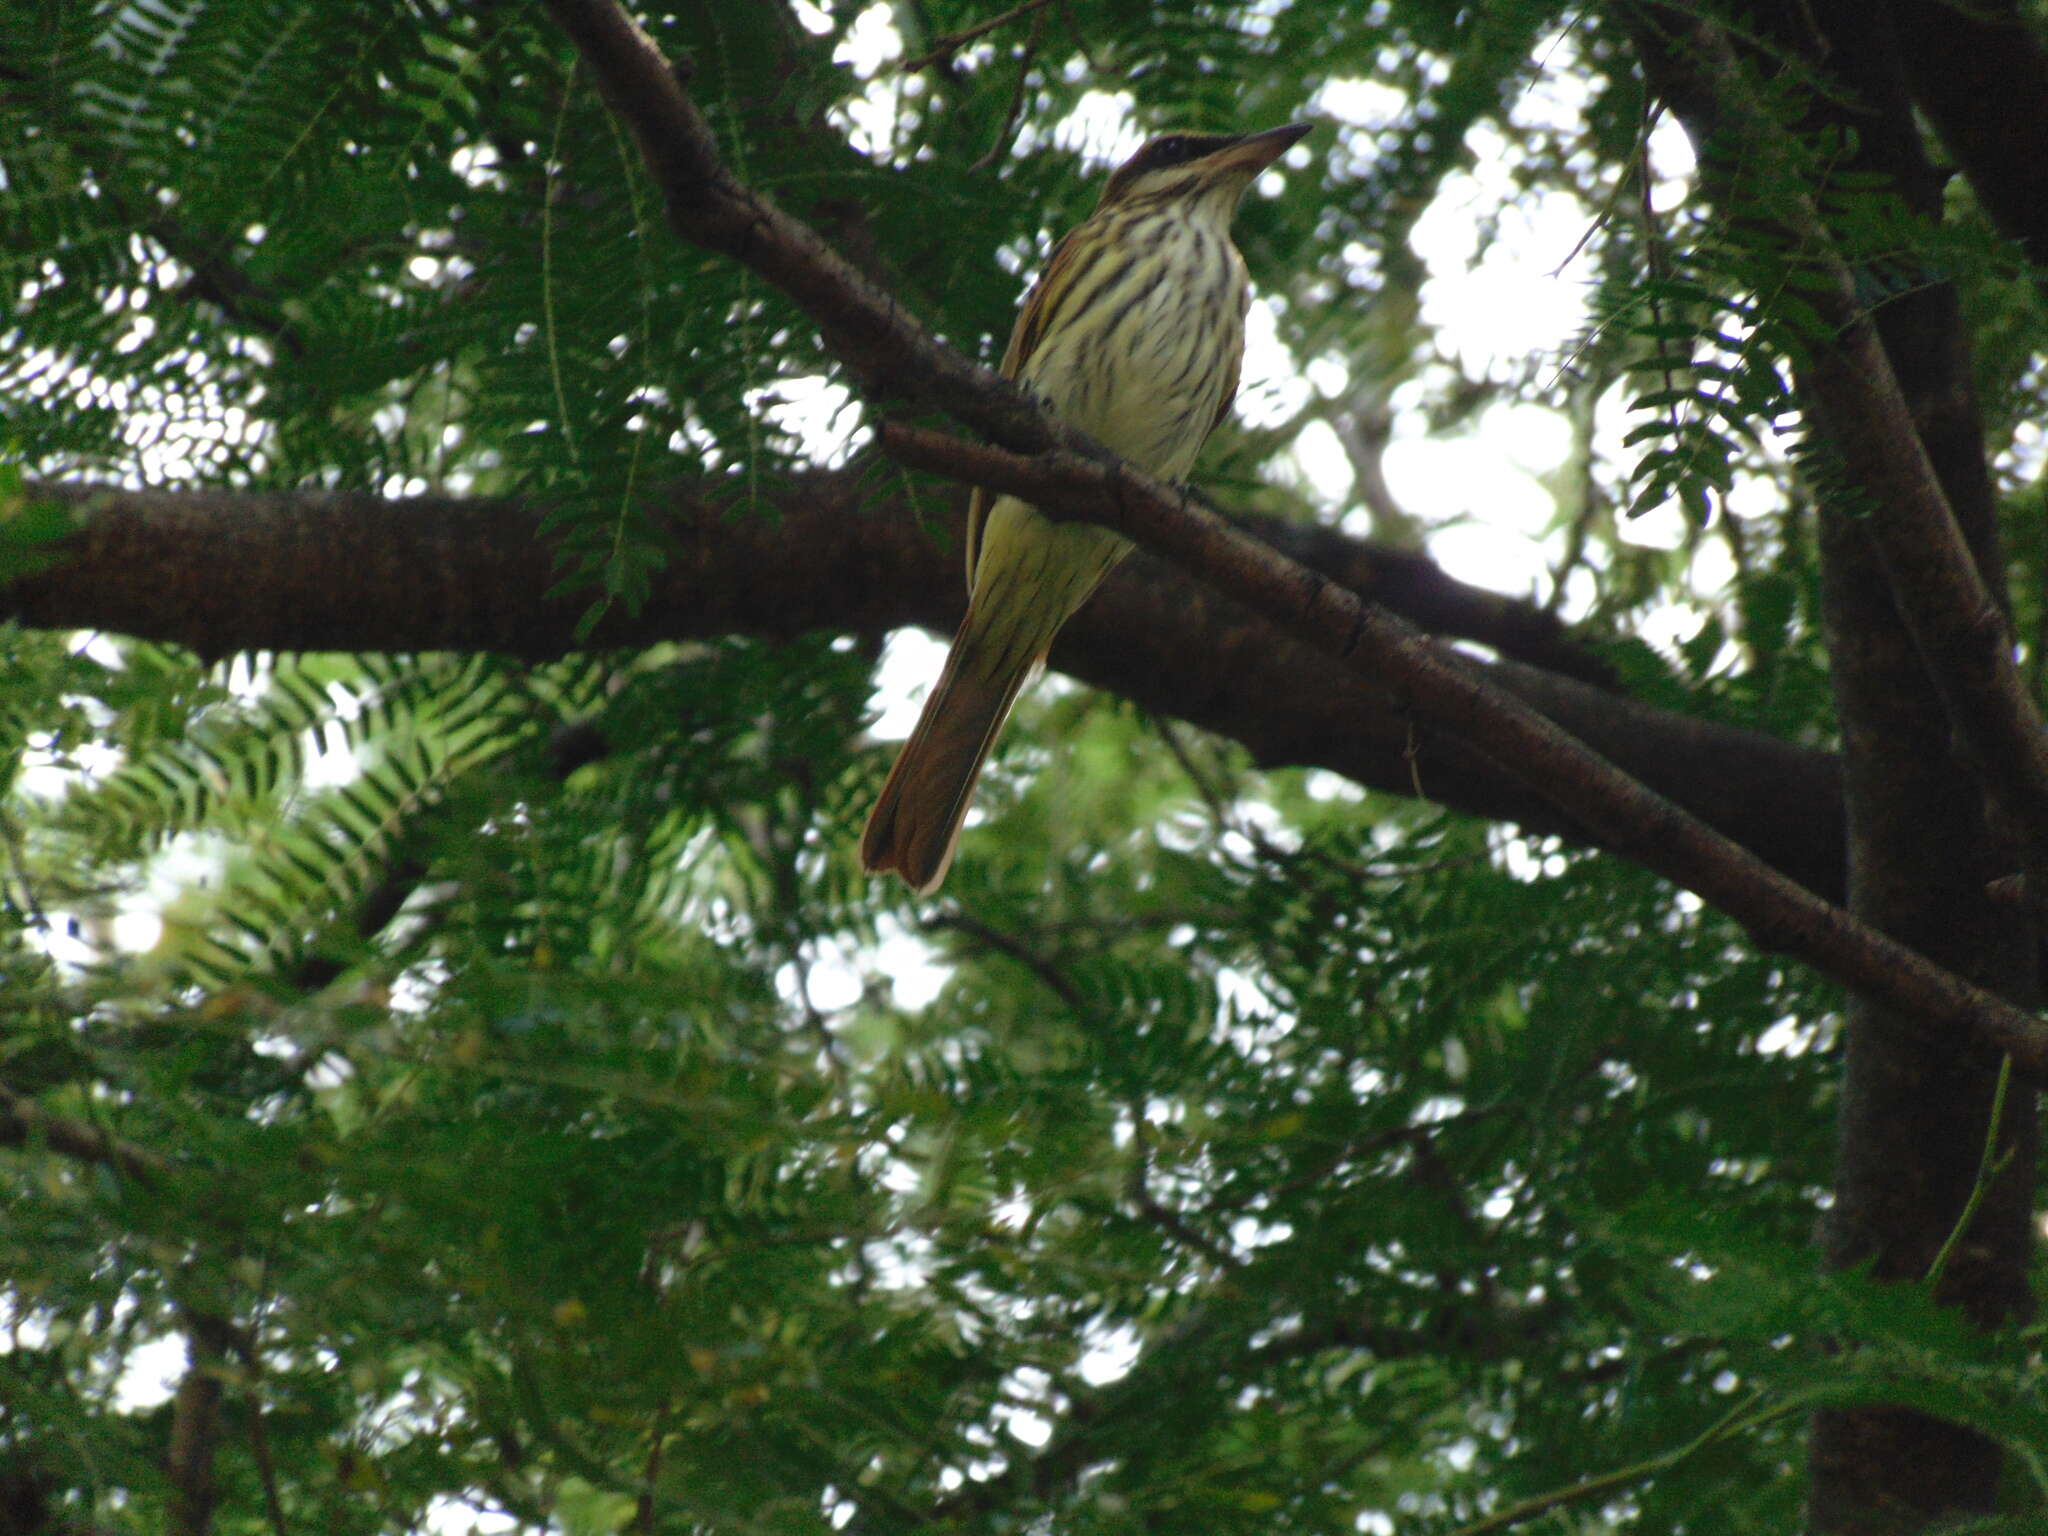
[1210, 169]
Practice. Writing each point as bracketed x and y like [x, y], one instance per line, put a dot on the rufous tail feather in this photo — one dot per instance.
[915, 824]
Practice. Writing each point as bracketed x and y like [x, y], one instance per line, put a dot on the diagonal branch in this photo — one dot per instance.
[887, 351]
[23, 1122]
[1622, 812]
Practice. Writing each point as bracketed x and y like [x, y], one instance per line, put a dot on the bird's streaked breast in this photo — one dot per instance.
[1141, 347]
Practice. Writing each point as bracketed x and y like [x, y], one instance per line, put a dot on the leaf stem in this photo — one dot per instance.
[1989, 1166]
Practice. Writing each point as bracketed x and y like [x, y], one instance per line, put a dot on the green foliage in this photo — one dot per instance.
[544, 1117]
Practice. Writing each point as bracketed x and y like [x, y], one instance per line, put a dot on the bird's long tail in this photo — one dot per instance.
[1030, 577]
[915, 824]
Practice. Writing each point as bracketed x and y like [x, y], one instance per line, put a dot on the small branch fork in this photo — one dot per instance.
[1068, 476]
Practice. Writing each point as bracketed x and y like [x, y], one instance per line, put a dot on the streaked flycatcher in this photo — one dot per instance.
[1133, 333]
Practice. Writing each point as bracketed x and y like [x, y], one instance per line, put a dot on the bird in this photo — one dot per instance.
[1134, 333]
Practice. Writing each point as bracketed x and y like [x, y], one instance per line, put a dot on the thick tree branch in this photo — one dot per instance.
[1621, 812]
[222, 571]
[437, 573]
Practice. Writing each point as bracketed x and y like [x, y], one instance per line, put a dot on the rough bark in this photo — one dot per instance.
[448, 573]
[1924, 848]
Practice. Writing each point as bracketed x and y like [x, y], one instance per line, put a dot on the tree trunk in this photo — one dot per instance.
[1913, 1119]
[1923, 847]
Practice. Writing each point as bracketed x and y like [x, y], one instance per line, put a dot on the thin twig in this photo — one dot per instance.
[645, 1511]
[223, 1337]
[1219, 812]
[1223, 822]
[1017, 950]
[1736, 1421]
[23, 1120]
[1169, 1221]
[1015, 111]
[266, 1467]
[953, 42]
[1604, 215]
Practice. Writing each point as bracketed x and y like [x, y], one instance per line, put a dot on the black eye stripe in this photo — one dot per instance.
[1176, 149]
[1163, 154]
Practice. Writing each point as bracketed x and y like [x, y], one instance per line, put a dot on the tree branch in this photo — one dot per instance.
[225, 571]
[945, 47]
[441, 573]
[1621, 812]
[887, 351]
[890, 353]
[23, 1121]
[195, 1436]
